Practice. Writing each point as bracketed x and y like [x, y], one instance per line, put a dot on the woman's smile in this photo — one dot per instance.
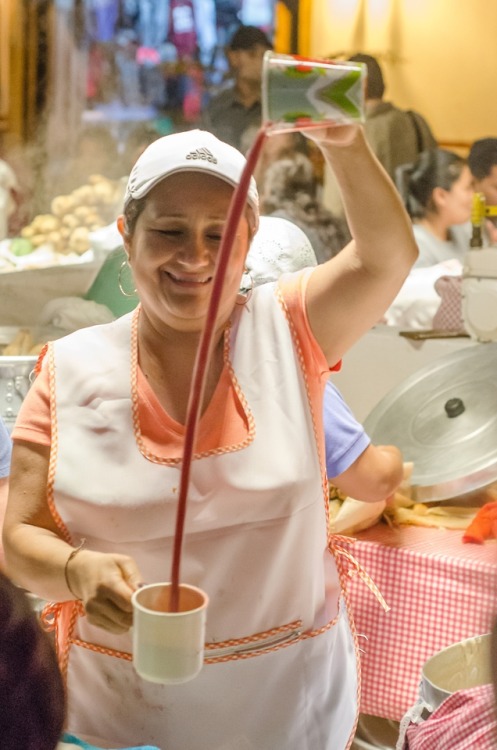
[189, 281]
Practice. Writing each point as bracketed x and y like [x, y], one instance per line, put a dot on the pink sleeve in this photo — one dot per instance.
[33, 422]
[293, 288]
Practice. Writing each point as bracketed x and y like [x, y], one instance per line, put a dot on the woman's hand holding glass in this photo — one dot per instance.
[104, 583]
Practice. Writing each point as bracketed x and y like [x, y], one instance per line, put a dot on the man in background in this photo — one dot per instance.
[395, 135]
[234, 115]
[482, 161]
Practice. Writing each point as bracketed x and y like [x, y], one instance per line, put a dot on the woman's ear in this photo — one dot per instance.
[439, 198]
[121, 226]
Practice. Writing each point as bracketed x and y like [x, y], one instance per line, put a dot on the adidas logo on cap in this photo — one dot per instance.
[202, 153]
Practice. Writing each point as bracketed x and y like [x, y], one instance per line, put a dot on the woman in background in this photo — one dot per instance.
[438, 193]
[289, 189]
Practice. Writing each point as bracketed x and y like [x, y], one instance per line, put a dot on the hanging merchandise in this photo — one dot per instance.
[182, 31]
[153, 22]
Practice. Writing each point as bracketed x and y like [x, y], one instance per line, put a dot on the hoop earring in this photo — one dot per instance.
[123, 291]
[247, 288]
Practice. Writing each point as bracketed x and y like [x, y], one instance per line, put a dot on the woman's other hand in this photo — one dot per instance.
[104, 583]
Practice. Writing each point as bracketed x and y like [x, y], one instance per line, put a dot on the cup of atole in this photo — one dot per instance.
[168, 646]
[300, 93]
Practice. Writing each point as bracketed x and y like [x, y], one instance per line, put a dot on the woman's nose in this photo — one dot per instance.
[194, 250]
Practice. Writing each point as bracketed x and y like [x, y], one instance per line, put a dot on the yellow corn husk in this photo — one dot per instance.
[334, 506]
[401, 501]
[17, 346]
[36, 349]
[27, 342]
[440, 517]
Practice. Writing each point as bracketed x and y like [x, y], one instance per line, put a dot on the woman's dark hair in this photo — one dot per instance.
[416, 182]
[482, 157]
[285, 179]
[132, 213]
[375, 84]
[32, 697]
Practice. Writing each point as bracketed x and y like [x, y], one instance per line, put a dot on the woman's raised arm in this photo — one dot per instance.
[348, 294]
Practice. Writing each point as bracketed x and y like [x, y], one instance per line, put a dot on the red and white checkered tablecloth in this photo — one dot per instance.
[440, 591]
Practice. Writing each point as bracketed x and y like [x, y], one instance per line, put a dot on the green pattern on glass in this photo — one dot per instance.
[337, 93]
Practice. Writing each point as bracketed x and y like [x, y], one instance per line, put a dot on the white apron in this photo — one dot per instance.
[255, 541]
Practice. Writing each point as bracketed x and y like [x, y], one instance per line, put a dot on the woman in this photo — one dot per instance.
[256, 534]
[439, 193]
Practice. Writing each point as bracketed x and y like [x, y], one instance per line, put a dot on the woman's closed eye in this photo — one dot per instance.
[171, 232]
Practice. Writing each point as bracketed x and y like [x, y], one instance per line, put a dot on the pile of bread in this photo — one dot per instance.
[22, 344]
[67, 228]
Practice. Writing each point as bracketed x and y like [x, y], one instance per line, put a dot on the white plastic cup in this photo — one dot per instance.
[168, 647]
[299, 93]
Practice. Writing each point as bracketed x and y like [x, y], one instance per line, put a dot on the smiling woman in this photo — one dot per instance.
[173, 251]
[115, 398]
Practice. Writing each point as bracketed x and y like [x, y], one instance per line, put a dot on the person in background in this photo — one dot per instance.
[482, 161]
[356, 466]
[237, 108]
[257, 536]
[395, 135]
[290, 190]
[5, 457]
[438, 193]
[32, 699]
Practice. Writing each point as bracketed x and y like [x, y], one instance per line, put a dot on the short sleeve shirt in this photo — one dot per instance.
[5, 451]
[345, 437]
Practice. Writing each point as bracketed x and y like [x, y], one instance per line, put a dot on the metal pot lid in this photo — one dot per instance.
[444, 419]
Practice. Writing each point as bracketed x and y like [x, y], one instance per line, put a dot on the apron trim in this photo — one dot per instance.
[153, 457]
[234, 649]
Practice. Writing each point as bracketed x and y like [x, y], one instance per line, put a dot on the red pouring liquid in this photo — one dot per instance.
[202, 359]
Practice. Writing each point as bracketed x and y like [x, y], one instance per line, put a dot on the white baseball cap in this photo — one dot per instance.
[190, 151]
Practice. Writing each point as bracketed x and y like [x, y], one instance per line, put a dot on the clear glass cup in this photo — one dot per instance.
[300, 93]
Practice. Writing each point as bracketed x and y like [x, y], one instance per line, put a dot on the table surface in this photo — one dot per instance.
[440, 591]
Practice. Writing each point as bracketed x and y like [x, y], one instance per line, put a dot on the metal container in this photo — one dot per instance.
[15, 379]
[16, 372]
[462, 666]
[444, 419]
